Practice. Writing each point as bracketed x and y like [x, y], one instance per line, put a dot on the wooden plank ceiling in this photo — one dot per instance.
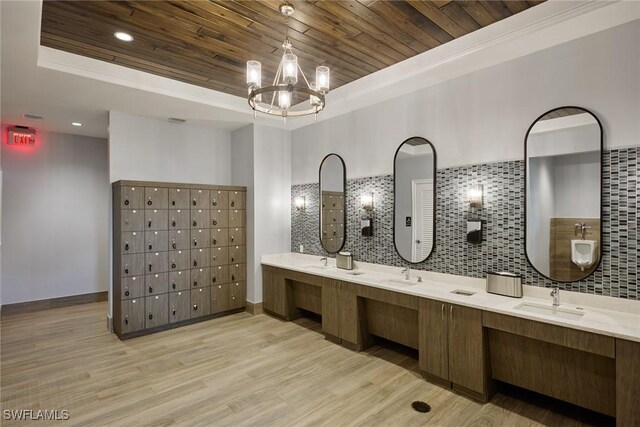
[207, 43]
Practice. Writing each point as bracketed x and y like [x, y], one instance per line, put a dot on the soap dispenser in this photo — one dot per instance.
[366, 224]
[474, 231]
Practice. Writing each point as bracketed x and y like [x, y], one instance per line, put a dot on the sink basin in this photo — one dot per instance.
[463, 292]
[562, 313]
[318, 267]
[400, 282]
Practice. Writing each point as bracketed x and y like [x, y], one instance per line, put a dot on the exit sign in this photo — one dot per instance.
[21, 136]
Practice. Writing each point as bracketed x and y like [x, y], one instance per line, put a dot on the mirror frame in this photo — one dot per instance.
[526, 137]
[435, 199]
[344, 191]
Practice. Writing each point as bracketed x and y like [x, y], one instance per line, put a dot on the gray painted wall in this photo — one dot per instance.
[483, 117]
[55, 213]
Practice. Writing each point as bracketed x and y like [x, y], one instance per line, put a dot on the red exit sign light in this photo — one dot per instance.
[20, 135]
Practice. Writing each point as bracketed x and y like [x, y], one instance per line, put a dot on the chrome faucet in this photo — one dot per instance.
[555, 293]
[325, 260]
[407, 273]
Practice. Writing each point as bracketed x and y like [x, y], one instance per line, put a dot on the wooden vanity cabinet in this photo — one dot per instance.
[285, 292]
[273, 291]
[452, 347]
[331, 309]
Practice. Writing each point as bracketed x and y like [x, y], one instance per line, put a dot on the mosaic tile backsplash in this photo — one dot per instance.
[503, 221]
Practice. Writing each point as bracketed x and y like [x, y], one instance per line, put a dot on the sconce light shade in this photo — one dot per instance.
[367, 201]
[475, 196]
[301, 203]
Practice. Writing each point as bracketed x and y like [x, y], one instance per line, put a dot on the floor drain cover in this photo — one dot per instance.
[421, 406]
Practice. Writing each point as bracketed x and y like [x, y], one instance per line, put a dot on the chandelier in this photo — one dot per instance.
[277, 99]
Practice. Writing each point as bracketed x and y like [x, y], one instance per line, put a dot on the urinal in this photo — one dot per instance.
[583, 253]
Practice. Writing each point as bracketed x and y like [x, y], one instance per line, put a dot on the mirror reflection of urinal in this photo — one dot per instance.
[584, 253]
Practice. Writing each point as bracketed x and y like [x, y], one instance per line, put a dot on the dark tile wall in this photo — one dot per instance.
[503, 217]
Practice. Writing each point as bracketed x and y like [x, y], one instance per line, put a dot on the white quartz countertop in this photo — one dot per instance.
[609, 316]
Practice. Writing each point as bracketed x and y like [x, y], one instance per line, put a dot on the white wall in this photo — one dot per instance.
[55, 218]
[484, 116]
[541, 194]
[577, 185]
[272, 169]
[332, 174]
[242, 173]
[261, 160]
[146, 149]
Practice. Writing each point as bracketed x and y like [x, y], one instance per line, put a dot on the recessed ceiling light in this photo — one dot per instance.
[76, 124]
[125, 37]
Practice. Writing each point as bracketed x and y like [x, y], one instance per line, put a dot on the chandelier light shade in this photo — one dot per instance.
[314, 101]
[322, 78]
[287, 88]
[254, 73]
[290, 68]
[284, 99]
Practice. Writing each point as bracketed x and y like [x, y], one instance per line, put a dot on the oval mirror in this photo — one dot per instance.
[563, 181]
[414, 172]
[333, 215]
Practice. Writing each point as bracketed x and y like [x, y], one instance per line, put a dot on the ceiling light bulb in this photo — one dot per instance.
[284, 99]
[290, 68]
[254, 73]
[322, 78]
[76, 124]
[125, 37]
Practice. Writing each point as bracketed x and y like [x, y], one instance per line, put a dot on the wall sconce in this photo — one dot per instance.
[475, 196]
[367, 201]
[301, 203]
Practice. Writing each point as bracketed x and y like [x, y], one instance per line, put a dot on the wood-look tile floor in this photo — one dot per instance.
[236, 370]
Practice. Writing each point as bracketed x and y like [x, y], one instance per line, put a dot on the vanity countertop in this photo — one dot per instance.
[609, 316]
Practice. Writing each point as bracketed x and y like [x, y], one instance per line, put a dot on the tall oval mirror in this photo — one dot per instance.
[333, 215]
[414, 173]
[563, 180]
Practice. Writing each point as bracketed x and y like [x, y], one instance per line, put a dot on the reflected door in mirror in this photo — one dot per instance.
[332, 199]
[563, 151]
[414, 193]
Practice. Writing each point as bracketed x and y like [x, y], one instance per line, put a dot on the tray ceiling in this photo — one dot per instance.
[207, 43]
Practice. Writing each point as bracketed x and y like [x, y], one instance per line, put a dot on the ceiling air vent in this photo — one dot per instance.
[32, 116]
[176, 120]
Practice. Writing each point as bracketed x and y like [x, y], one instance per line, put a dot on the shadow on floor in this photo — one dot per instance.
[510, 398]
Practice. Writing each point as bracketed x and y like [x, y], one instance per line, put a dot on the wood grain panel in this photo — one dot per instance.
[207, 43]
[572, 338]
[434, 338]
[331, 307]
[578, 377]
[350, 320]
[395, 323]
[627, 383]
[298, 276]
[390, 297]
[561, 232]
[307, 297]
[235, 370]
[466, 344]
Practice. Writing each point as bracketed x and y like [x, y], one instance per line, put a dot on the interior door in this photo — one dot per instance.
[422, 227]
